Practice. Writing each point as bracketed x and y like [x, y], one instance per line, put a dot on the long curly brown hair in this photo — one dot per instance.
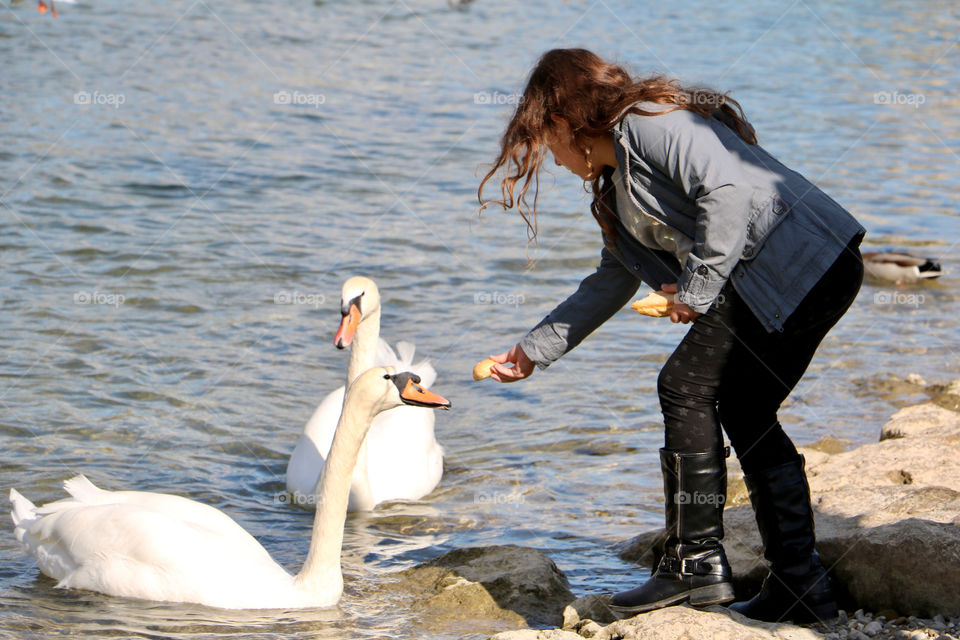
[592, 95]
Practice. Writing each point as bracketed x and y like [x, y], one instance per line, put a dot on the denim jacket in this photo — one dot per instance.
[752, 220]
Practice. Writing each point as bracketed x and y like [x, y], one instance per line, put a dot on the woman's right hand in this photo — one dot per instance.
[522, 365]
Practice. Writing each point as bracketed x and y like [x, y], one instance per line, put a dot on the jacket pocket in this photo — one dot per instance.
[787, 257]
[764, 219]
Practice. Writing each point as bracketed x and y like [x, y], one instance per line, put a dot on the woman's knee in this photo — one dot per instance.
[677, 388]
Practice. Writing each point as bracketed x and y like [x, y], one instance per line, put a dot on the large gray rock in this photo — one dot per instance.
[887, 518]
[507, 585]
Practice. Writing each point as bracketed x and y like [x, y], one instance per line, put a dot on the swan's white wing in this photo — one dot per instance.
[151, 546]
[203, 515]
[403, 361]
[385, 356]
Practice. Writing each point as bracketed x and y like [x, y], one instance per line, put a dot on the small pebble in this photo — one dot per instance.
[858, 635]
[587, 628]
[842, 617]
[873, 628]
[915, 378]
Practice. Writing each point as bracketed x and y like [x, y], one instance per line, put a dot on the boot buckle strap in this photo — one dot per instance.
[694, 567]
[686, 566]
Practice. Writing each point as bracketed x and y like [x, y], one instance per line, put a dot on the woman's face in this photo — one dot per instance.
[560, 142]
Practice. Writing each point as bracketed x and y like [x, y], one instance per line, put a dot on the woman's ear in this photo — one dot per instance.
[561, 126]
[560, 123]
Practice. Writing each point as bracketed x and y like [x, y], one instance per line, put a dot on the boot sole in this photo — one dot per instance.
[699, 597]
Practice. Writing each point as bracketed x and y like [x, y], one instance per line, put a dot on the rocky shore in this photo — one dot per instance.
[888, 528]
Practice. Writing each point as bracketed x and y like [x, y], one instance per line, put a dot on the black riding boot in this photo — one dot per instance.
[797, 587]
[694, 568]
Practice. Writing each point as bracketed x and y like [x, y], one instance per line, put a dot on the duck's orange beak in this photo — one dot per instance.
[348, 327]
[42, 8]
[417, 395]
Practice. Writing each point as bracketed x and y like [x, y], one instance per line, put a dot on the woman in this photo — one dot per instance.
[763, 264]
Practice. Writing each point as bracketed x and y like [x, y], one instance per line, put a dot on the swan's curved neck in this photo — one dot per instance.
[322, 566]
[363, 351]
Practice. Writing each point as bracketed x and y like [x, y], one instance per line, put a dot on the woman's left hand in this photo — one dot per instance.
[681, 312]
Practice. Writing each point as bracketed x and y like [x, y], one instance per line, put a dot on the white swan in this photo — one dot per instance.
[157, 546]
[400, 458]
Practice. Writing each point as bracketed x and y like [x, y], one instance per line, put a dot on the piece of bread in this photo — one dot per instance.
[657, 305]
[482, 369]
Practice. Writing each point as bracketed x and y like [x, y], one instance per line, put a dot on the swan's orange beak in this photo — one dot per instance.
[415, 394]
[348, 327]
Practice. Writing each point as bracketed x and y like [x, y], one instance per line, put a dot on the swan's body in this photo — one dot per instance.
[899, 268]
[157, 546]
[401, 458]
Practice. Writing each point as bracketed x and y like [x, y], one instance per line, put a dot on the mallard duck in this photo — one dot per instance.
[898, 267]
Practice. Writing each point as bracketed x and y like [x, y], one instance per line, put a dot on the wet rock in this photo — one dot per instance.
[915, 379]
[949, 396]
[830, 446]
[518, 586]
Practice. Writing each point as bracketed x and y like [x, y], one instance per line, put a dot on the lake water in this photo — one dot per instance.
[173, 172]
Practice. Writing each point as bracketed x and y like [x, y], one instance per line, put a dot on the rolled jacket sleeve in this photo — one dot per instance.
[689, 153]
[599, 296]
